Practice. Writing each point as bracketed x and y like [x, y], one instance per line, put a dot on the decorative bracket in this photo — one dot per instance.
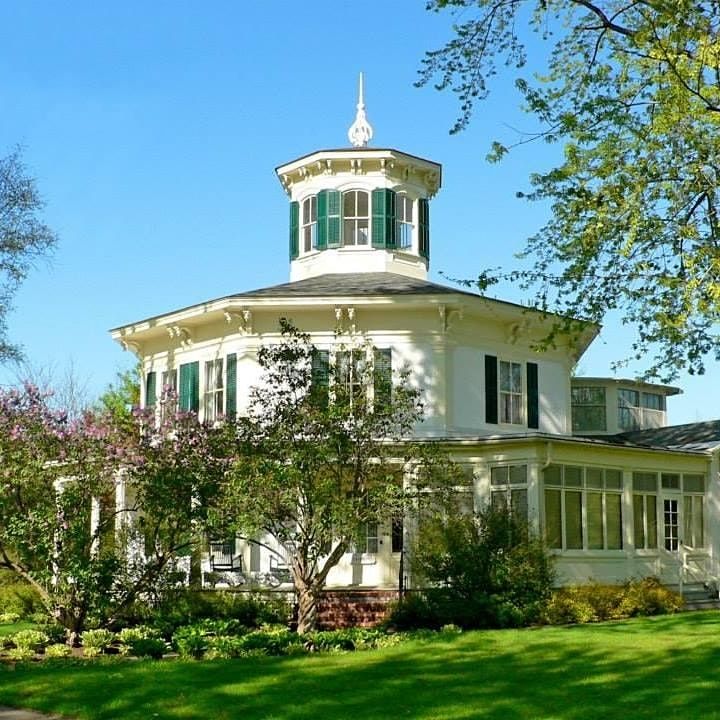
[133, 347]
[448, 316]
[244, 320]
[345, 320]
[516, 329]
[181, 333]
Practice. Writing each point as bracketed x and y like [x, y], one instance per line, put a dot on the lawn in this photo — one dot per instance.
[665, 667]
[12, 628]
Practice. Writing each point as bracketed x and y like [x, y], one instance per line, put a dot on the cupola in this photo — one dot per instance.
[359, 209]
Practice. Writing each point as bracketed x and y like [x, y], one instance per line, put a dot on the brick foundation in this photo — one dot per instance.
[353, 608]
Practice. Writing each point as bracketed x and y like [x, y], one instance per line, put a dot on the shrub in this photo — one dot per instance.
[148, 647]
[56, 633]
[58, 650]
[593, 602]
[30, 639]
[95, 642]
[224, 647]
[20, 654]
[485, 570]
[9, 617]
[128, 636]
[191, 641]
[649, 597]
[188, 606]
[566, 607]
[413, 611]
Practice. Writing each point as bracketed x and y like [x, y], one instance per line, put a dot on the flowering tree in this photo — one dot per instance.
[84, 504]
[322, 451]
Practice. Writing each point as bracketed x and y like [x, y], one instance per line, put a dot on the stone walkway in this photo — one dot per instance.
[7, 713]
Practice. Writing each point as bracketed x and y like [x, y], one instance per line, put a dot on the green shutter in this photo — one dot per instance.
[231, 385]
[294, 229]
[150, 389]
[333, 218]
[190, 387]
[424, 228]
[491, 390]
[320, 374]
[328, 219]
[322, 219]
[383, 218]
[533, 400]
[382, 378]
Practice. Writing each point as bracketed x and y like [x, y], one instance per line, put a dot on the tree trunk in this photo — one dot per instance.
[308, 596]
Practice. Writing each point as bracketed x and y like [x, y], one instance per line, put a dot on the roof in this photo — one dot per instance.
[349, 285]
[665, 389]
[690, 436]
[354, 284]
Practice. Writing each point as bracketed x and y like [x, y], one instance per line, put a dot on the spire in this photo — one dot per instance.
[360, 132]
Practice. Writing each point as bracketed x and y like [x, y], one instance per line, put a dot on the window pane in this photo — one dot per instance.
[362, 204]
[613, 479]
[651, 510]
[645, 482]
[595, 521]
[593, 478]
[504, 368]
[553, 521]
[499, 475]
[613, 517]
[498, 499]
[639, 520]
[694, 483]
[516, 377]
[519, 504]
[573, 520]
[653, 401]
[349, 204]
[573, 476]
[518, 474]
[552, 475]
[670, 481]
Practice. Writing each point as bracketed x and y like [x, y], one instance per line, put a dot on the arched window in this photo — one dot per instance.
[404, 221]
[355, 218]
[309, 223]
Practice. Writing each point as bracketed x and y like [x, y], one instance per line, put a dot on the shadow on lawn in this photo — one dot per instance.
[655, 668]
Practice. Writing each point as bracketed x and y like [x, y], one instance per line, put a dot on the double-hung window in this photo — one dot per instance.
[309, 223]
[510, 390]
[628, 409]
[693, 515]
[369, 539]
[214, 390]
[356, 218]
[583, 508]
[350, 377]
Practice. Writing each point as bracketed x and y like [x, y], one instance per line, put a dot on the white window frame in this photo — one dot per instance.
[404, 226]
[213, 389]
[355, 222]
[308, 228]
[511, 393]
[584, 488]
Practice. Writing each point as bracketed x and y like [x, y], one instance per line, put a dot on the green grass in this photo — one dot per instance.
[665, 667]
[12, 628]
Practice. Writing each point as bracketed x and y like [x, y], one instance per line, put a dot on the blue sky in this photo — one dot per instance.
[153, 130]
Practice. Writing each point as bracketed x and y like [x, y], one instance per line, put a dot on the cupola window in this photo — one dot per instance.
[404, 221]
[355, 217]
[309, 223]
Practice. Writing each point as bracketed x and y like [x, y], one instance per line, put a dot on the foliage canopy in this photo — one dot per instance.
[632, 91]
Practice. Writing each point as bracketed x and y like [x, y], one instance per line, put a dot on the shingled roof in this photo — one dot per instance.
[353, 284]
[691, 436]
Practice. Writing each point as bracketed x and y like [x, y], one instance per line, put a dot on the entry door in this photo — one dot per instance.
[671, 521]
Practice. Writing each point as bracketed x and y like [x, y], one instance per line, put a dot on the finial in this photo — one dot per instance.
[360, 132]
